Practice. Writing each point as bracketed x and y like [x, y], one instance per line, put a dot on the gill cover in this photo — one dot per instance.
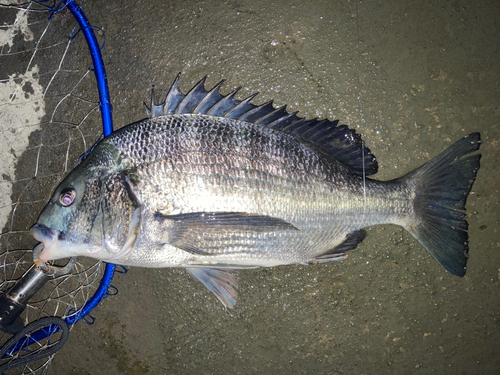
[93, 212]
[120, 211]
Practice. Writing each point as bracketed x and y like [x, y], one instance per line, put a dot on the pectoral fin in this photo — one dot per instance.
[207, 233]
[219, 281]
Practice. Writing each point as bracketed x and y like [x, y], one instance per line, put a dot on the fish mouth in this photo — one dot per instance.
[48, 237]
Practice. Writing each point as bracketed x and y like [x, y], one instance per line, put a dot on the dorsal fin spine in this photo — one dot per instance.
[192, 98]
[272, 116]
[212, 97]
[242, 107]
[337, 141]
[225, 104]
[174, 97]
[258, 112]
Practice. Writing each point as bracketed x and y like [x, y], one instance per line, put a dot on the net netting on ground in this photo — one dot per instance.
[49, 117]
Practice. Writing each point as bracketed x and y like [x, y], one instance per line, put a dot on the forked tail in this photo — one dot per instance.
[441, 188]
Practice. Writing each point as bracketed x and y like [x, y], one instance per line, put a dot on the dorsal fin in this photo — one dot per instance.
[337, 141]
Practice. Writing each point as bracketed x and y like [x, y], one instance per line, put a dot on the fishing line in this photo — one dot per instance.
[364, 175]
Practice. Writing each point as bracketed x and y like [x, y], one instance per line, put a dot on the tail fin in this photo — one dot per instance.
[441, 188]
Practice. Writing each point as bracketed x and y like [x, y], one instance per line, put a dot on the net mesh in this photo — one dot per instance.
[49, 117]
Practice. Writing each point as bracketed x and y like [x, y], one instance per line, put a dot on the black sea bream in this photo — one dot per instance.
[211, 183]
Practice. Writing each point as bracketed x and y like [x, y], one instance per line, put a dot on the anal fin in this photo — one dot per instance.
[327, 258]
[338, 252]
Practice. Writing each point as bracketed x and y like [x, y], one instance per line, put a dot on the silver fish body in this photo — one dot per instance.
[205, 192]
[200, 164]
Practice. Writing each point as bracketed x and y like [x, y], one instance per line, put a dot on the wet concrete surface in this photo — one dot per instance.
[412, 78]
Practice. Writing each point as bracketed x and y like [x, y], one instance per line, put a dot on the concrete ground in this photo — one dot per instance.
[411, 77]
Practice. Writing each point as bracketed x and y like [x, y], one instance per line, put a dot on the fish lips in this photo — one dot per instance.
[44, 234]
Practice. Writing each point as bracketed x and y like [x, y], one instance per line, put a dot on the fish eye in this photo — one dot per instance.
[67, 197]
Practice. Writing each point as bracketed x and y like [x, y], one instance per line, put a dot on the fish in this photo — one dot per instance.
[214, 184]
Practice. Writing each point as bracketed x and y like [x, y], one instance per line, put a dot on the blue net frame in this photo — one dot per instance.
[107, 127]
[105, 288]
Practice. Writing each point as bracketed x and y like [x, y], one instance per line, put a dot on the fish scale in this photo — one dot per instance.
[317, 177]
[211, 183]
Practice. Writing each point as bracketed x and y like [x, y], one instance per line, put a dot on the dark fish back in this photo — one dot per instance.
[338, 142]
